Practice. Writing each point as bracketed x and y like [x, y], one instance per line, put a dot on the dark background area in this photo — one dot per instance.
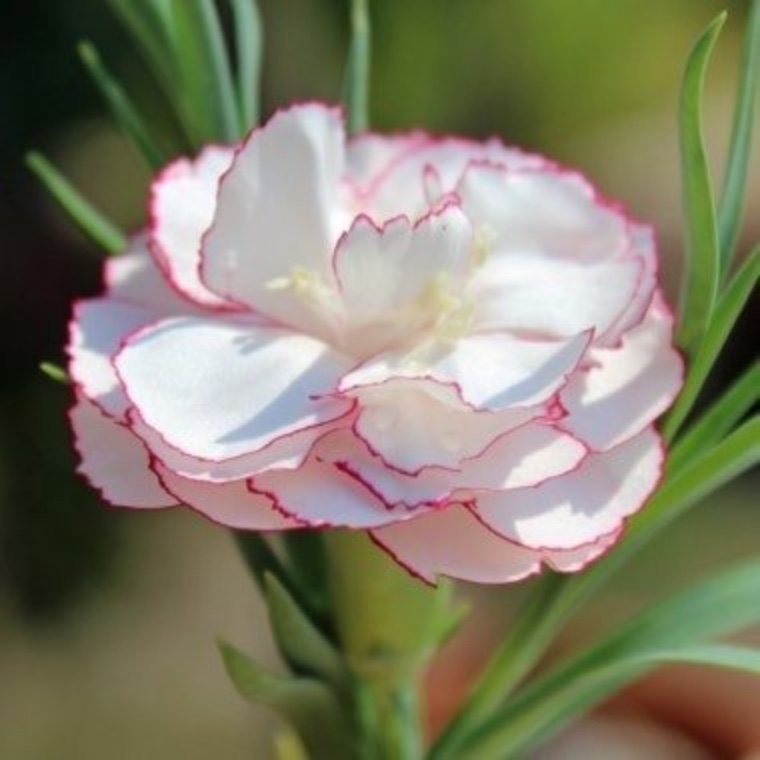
[102, 612]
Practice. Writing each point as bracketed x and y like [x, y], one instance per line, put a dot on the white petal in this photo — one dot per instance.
[625, 389]
[547, 213]
[489, 371]
[320, 495]
[521, 458]
[133, 276]
[581, 507]
[452, 542]
[411, 429]
[183, 201]
[278, 212]
[218, 389]
[230, 504]
[114, 461]
[285, 453]
[97, 330]
[394, 179]
[385, 272]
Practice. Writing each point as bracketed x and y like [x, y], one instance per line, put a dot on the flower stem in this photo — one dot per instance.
[388, 624]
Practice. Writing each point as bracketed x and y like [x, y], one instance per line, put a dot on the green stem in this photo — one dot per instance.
[356, 82]
[388, 624]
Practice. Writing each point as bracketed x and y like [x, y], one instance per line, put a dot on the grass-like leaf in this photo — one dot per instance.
[730, 306]
[719, 419]
[310, 707]
[121, 106]
[356, 79]
[204, 68]
[90, 221]
[249, 43]
[557, 598]
[701, 261]
[735, 180]
[302, 644]
[55, 372]
[713, 608]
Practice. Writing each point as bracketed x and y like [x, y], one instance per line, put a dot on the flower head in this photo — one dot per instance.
[453, 345]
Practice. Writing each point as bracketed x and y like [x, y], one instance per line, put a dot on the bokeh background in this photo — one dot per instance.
[107, 618]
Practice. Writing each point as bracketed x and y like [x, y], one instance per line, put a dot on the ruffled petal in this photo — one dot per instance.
[285, 453]
[521, 458]
[134, 276]
[230, 504]
[278, 215]
[320, 495]
[387, 275]
[624, 389]
[413, 172]
[410, 430]
[581, 507]
[216, 389]
[183, 201]
[452, 542]
[114, 461]
[490, 371]
[96, 331]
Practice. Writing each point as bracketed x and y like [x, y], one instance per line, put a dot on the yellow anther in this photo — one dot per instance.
[305, 283]
[482, 243]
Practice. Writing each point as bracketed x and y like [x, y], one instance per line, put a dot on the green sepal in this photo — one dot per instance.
[302, 644]
[307, 704]
[702, 259]
[90, 221]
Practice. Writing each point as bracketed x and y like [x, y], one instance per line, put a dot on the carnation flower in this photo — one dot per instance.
[453, 345]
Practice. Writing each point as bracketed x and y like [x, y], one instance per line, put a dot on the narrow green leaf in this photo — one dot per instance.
[719, 419]
[89, 220]
[205, 70]
[713, 608]
[735, 180]
[302, 644]
[121, 106]
[701, 263]
[556, 598]
[147, 25]
[259, 556]
[718, 655]
[249, 39]
[730, 306]
[356, 79]
[55, 372]
[307, 704]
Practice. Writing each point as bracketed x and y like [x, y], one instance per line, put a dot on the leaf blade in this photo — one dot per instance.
[701, 262]
[121, 106]
[249, 38]
[85, 216]
[735, 180]
[730, 307]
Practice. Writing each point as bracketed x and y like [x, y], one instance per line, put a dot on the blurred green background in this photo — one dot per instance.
[107, 618]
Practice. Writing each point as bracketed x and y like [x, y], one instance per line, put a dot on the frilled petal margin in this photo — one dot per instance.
[624, 389]
[230, 504]
[114, 461]
[182, 204]
[578, 508]
[452, 542]
[216, 389]
[277, 212]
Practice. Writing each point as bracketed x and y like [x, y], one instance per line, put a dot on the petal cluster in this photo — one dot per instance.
[453, 345]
